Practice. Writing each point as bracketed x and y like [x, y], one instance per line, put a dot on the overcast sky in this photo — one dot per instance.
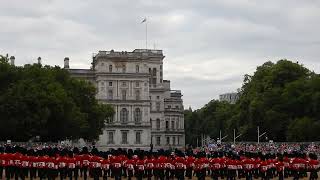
[209, 44]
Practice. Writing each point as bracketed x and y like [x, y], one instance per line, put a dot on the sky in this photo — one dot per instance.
[209, 44]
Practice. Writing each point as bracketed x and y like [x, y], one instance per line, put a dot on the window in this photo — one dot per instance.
[102, 83]
[110, 94]
[124, 94]
[124, 135]
[110, 138]
[138, 137]
[154, 81]
[178, 140]
[124, 68]
[169, 107]
[167, 124]
[158, 140]
[158, 124]
[154, 72]
[124, 84]
[110, 83]
[137, 68]
[110, 68]
[109, 120]
[174, 140]
[177, 107]
[137, 95]
[137, 115]
[124, 115]
[137, 84]
[158, 97]
[178, 125]
[168, 140]
[172, 124]
[158, 106]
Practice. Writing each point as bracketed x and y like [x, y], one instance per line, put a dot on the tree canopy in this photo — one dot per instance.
[45, 101]
[282, 98]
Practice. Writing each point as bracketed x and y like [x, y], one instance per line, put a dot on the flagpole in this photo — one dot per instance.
[146, 34]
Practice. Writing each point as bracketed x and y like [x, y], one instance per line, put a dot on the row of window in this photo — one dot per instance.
[124, 115]
[124, 68]
[174, 140]
[157, 106]
[123, 94]
[124, 84]
[169, 107]
[174, 125]
[124, 137]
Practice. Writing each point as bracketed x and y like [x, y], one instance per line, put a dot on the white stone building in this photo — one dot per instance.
[231, 98]
[147, 110]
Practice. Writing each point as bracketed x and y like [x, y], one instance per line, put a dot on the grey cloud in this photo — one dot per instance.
[209, 45]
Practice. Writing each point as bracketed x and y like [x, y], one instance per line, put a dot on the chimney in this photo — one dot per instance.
[12, 58]
[66, 63]
[39, 60]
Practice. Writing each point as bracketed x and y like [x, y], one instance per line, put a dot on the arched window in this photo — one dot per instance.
[124, 115]
[123, 68]
[137, 95]
[137, 68]
[158, 124]
[110, 68]
[137, 115]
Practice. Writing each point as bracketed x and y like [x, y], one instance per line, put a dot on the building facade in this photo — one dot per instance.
[147, 112]
[231, 98]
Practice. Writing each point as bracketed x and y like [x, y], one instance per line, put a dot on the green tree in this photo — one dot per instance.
[47, 102]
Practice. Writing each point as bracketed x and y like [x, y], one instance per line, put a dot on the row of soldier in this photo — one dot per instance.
[52, 163]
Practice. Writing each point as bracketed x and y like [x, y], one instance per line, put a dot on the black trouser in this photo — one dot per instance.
[116, 173]
[33, 173]
[167, 173]
[179, 174]
[148, 173]
[105, 174]
[9, 172]
[51, 174]
[42, 173]
[69, 173]
[189, 172]
[76, 172]
[201, 174]
[95, 173]
[215, 174]
[161, 174]
[1, 171]
[172, 173]
[63, 173]
[280, 175]
[139, 174]
[248, 175]
[231, 174]
[84, 170]
[130, 174]
[124, 172]
[313, 174]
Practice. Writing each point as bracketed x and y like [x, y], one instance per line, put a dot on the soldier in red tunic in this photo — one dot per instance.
[314, 166]
[189, 165]
[180, 166]
[149, 165]
[140, 167]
